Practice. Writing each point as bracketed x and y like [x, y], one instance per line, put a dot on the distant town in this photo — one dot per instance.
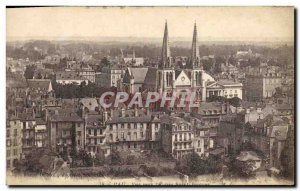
[242, 125]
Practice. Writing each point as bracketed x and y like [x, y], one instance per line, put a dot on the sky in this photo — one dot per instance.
[235, 23]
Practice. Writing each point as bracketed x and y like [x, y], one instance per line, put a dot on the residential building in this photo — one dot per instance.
[95, 134]
[14, 137]
[66, 131]
[109, 76]
[134, 130]
[178, 136]
[70, 77]
[41, 133]
[262, 84]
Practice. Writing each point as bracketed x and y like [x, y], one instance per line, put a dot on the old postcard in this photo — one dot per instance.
[198, 96]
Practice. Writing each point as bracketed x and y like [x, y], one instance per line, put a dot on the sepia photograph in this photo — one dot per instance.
[150, 96]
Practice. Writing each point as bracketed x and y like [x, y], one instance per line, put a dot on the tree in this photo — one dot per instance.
[193, 165]
[115, 158]
[29, 71]
[235, 101]
[214, 98]
[105, 61]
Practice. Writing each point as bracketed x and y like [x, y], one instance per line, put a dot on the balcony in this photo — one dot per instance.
[183, 141]
[184, 149]
[95, 136]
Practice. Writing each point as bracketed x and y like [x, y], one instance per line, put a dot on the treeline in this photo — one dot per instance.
[69, 91]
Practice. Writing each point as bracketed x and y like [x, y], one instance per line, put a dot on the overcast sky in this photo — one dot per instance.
[217, 23]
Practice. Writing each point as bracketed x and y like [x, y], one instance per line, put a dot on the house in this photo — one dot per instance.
[133, 130]
[14, 142]
[64, 125]
[110, 76]
[41, 133]
[177, 136]
[249, 158]
[70, 77]
[95, 134]
[261, 84]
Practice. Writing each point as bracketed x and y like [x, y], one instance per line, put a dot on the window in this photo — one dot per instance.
[8, 143]
[8, 133]
[95, 132]
[78, 124]
[134, 145]
[135, 136]
[90, 132]
[142, 134]
[15, 152]
[156, 127]
[79, 133]
[175, 137]
[15, 142]
[7, 153]
[15, 132]
[128, 145]
[156, 135]
[122, 135]
[129, 135]
[78, 142]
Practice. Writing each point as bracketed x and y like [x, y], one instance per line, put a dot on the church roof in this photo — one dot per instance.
[139, 74]
[150, 78]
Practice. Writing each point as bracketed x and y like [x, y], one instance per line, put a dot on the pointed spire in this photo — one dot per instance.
[195, 57]
[165, 53]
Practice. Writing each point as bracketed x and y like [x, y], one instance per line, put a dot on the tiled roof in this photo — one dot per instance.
[229, 83]
[40, 121]
[139, 74]
[90, 103]
[248, 156]
[70, 75]
[150, 78]
[41, 84]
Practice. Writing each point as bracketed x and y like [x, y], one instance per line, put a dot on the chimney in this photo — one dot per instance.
[136, 113]
[239, 109]
[258, 109]
[147, 111]
[105, 116]
[122, 112]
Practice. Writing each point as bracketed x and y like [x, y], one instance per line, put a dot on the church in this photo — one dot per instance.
[168, 77]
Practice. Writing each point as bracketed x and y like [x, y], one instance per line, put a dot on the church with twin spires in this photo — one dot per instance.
[168, 77]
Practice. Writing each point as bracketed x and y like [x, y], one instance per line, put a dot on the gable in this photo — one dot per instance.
[182, 80]
[214, 85]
